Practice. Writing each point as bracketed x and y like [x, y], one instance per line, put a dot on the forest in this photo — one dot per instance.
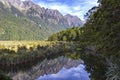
[70, 34]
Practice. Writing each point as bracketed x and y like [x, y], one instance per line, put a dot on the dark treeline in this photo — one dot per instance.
[101, 33]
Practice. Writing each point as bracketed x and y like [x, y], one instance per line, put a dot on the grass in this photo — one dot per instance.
[14, 45]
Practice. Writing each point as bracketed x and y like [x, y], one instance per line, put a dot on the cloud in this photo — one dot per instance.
[75, 73]
[73, 7]
[63, 8]
[26, 0]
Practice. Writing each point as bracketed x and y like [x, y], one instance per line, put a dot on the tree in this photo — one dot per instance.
[102, 29]
[64, 38]
[70, 34]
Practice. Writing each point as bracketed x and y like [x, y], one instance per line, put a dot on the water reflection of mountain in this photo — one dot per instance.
[73, 73]
[47, 67]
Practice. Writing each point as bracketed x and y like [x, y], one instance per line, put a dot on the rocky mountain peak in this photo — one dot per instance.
[73, 20]
[32, 10]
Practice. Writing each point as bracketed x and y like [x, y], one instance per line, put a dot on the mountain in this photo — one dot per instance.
[25, 20]
[73, 20]
[42, 68]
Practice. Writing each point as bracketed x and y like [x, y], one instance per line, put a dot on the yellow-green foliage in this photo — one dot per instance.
[14, 45]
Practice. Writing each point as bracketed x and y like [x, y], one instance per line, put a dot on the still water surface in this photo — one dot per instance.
[68, 72]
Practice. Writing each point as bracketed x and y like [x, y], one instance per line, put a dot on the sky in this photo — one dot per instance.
[73, 7]
[74, 73]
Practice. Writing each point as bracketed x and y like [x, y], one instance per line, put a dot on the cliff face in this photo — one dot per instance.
[73, 20]
[47, 67]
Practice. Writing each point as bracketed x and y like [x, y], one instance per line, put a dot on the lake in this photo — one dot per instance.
[63, 68]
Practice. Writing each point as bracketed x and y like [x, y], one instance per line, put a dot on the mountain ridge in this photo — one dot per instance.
[31, 9]
[47, 20]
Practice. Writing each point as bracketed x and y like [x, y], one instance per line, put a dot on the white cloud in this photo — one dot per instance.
[78, 8]
[64, 9]
[60, 7]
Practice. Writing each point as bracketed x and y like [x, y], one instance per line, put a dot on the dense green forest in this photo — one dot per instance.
[103, 26]
[70, 34]
[101, 32]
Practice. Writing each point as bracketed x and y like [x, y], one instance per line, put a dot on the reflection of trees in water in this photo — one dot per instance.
[113, 71]
[101, 67]
[95, 64]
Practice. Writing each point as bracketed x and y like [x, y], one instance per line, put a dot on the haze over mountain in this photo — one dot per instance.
[25, 20]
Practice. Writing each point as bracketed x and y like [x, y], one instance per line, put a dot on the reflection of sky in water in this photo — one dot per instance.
[74, 73]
